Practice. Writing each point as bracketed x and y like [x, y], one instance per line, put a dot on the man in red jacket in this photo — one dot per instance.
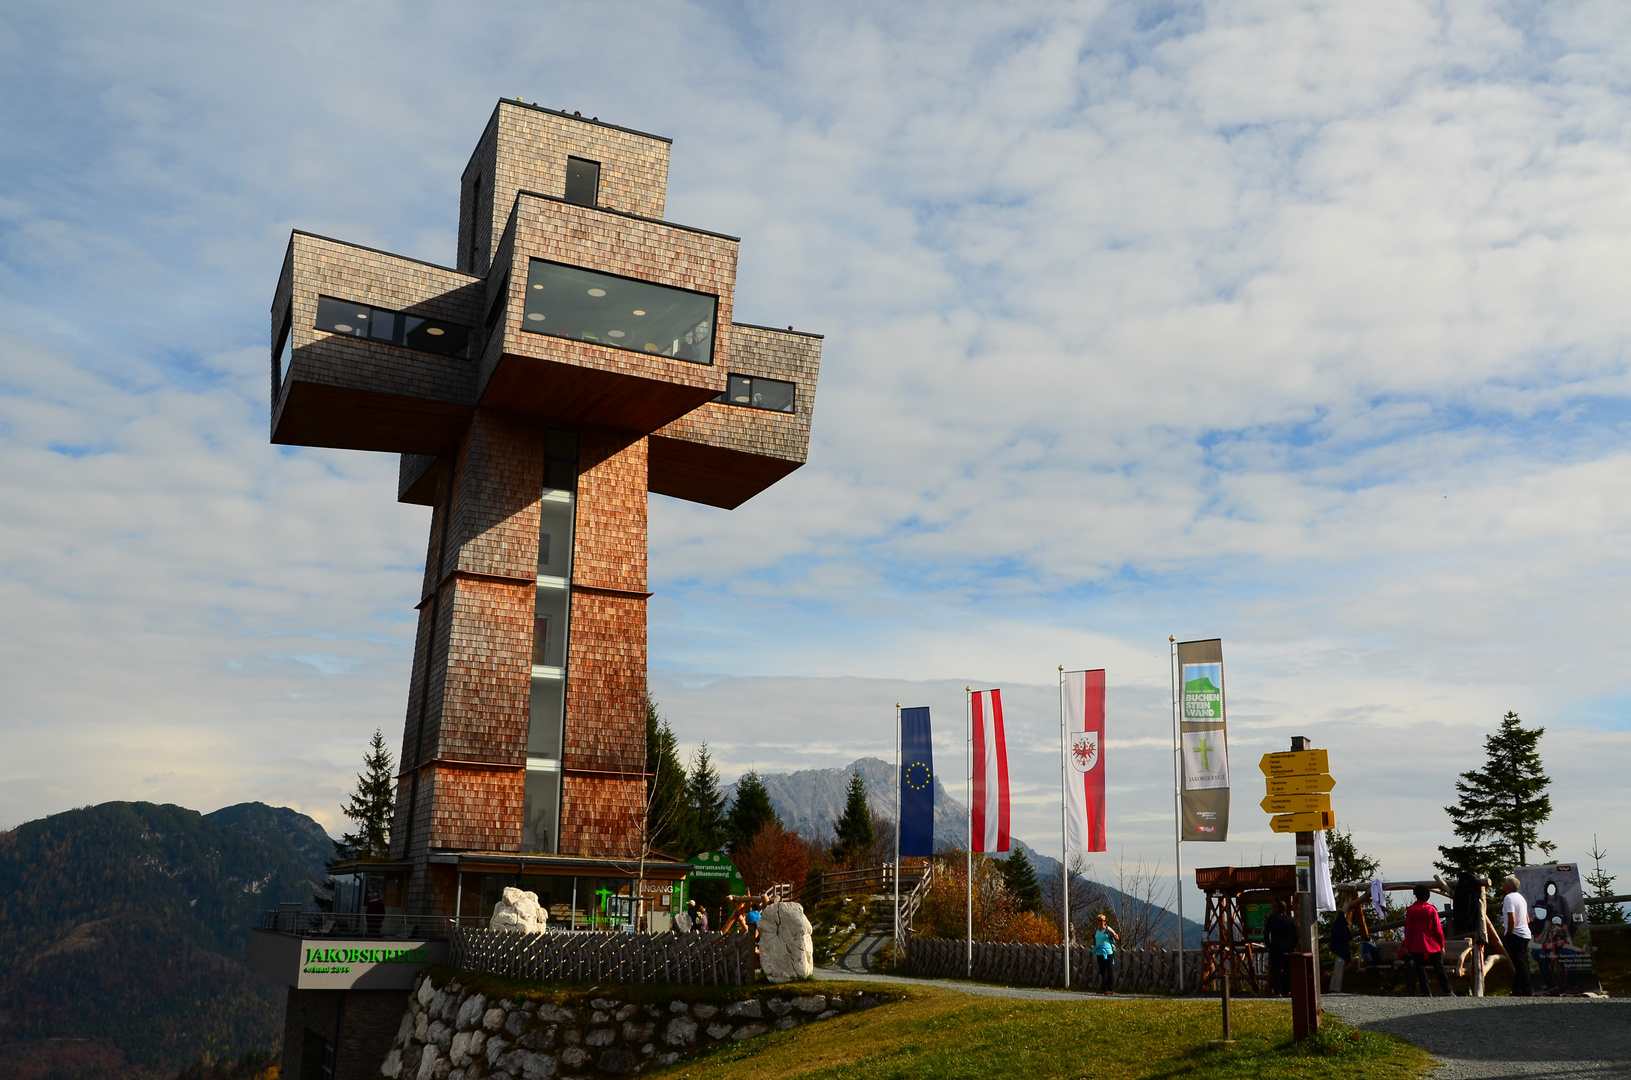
[1424, 942]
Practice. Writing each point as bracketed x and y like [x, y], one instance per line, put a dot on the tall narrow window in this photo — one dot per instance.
[475, 216]
[285, 348]
[582, 181]
[550, 620]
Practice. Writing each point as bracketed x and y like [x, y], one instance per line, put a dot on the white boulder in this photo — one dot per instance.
[786, 951]
[519, 913]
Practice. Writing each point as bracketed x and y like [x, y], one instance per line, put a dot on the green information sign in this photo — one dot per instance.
[714, 866]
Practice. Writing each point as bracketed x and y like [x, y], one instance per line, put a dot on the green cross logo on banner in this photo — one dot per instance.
[1206, 759]
[1205, 753]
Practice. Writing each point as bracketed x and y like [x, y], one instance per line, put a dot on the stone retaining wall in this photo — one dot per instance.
[453, 1032]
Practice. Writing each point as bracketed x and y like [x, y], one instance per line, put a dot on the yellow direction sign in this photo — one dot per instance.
[1295, 763]
[1317, 822]
[1296, 804]
[1300, 785]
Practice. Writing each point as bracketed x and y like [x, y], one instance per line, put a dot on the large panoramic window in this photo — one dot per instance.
[583, 305]
[392, 327]
[757, 393]
[551, 615]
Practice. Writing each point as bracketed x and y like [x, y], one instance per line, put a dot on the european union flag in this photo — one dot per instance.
[916, 783]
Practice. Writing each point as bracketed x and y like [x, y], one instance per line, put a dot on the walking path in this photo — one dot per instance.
[1555, 1038]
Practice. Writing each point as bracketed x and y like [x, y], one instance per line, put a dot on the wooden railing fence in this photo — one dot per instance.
[697, 959]
[1148, 971]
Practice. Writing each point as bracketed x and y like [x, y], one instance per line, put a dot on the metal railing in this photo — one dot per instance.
[701, 959]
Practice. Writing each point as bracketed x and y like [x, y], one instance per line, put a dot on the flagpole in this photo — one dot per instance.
[1177, 801]
[1064, 828]
[900, 778]
[968, 724]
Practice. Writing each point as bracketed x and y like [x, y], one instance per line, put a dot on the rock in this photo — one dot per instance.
[786, 949]
[637, 1033]
[512, 1062]
[537, 1067]
[470, 1013]
[456, 1074]
[478, 1043]
[427, 1064]
[828, 1015]
[786, 1022]
[519, 913]
[749, 1009]
[779, 1006]
[601, 1037]
[516, 1024]
[812, 1003]
[440, 1034]
[541, 1038]
[404, 1030]
[704, 1012]
[556, 1013]
[574, 1057]
[681, 1030]
[864, 1002]
[647, 1050]
[719, 1030]
[425, 993]
[625, 1012]
[604, 1003]
[654, 1011]
[748, 1031]
[444, 1069]
[677, 1006]
[393, 1065]
[666, 1059]
[600, 1016]
[492, 1020]
[571, 1036]
[616, 1062]
[459, 1048]
[437, 1000]
[495, 1049]
[421, 1027]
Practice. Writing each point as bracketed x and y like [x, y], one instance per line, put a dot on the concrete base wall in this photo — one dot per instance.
[339, 1034]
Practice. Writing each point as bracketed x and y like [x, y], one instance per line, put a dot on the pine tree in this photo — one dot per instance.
[1503, 805]
[1019, 878]
[371, 805]
[751, 811]
[1348, 863]
[1602, 884]
[854, 829]
[668, 811]
[708, 825]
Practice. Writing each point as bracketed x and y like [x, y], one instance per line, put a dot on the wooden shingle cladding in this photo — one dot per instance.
[724, 454]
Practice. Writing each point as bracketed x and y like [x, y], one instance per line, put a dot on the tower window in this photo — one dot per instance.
[582, 181]
[758, 393]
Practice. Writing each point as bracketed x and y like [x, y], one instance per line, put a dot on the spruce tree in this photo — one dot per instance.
[1019, 878]
[1503, 805]
[751, 811]
[371, 805]
[668, 811]
[708, 827]
[854, 829]
[1601, 884]
[1348, 863]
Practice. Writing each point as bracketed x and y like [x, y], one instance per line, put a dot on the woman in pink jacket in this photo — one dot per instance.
[1424, 942]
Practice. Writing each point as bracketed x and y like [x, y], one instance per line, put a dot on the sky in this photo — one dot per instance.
[1300, 325]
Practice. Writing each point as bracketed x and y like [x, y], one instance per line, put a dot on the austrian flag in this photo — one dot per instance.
[989, 806]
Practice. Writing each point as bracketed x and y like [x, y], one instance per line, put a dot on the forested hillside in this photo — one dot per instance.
[123, 929]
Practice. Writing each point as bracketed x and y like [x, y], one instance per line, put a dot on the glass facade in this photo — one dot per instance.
[392, 327]
[551, 617]
[759, 393]
[584, 305]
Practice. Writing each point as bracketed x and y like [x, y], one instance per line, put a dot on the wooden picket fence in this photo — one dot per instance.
[696, 959]
[1138, 971]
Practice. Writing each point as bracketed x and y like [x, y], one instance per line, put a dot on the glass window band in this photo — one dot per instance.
[392, 327]
[619, 312]
[755, 392]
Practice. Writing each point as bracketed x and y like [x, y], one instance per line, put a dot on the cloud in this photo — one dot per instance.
[1299, 324]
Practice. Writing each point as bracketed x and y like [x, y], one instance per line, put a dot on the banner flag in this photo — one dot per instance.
[916, 783]
[990, 803]
[1084, 754]
[1203, 741]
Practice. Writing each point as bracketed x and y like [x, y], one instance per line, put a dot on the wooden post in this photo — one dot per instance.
[1480, 938]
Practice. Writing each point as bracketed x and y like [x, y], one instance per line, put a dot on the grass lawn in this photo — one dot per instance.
[944, 1034]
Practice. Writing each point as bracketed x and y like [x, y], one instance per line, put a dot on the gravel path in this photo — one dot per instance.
[1503, 1036]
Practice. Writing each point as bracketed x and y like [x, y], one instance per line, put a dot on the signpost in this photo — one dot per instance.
[1299, 784]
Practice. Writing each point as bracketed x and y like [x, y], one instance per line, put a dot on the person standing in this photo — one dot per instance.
[1280, 935]
[1424, 943]
[1341, 947]
[1105, 940]
[1516, 935]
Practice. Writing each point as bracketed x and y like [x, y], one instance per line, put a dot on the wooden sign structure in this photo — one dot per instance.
[1298, 784]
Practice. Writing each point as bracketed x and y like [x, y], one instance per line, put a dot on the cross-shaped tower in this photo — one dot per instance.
[581, 354]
